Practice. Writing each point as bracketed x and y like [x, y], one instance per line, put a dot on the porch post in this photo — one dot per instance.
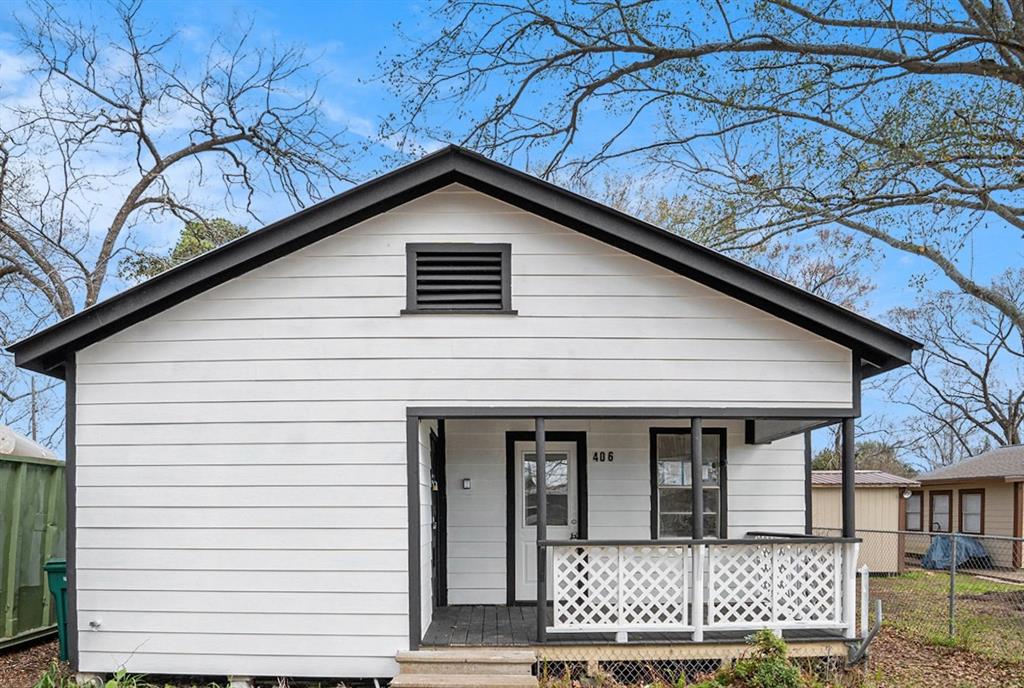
[697, 476]
[848, 480]
[542, 533]
[850, 549]
[697, 525]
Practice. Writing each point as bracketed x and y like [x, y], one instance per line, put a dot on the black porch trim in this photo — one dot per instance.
[71, 510]
[582, 498]
[767, 431]
[808, 485]
[723, 475]
[754, 538]
[412, 479]
[441, 475]
[847, 466]
[612, 412]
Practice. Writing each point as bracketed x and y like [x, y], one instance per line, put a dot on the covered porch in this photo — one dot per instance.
[555, 528]
[516, 626]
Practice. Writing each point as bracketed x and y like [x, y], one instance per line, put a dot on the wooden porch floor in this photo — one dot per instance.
[501, 626]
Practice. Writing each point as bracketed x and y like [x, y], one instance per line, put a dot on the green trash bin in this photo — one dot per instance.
[57, 579]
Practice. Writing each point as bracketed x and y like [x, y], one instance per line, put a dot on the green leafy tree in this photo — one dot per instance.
[868, 455]
[196, 239]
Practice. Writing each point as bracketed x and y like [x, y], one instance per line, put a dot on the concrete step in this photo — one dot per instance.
[404, 680]
[467, 662]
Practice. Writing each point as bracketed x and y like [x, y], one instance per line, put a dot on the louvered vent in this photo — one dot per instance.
[458, 277]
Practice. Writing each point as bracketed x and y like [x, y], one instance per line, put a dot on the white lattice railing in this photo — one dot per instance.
[621, 587]
[740, 585]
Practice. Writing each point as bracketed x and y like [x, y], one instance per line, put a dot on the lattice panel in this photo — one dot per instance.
[777, 585]
[620, 587]
[740, 585]
[654, 586]
[586, 587]
[806, 586]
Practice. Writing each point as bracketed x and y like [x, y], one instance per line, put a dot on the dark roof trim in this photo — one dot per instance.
[880, 347]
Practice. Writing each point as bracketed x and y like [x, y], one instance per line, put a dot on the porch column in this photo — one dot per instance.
[697, 476]
[848, 479]
[697, 525]
[542, 532]
[850, 549]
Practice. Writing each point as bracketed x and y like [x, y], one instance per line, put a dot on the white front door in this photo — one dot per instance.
[561, 502]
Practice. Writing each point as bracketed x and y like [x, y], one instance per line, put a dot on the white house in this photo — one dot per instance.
[317, 446]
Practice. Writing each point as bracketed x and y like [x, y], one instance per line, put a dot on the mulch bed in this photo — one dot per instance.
[896, 661]
[22, 667]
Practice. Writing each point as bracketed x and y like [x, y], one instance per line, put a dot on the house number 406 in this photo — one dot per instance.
[604, 456]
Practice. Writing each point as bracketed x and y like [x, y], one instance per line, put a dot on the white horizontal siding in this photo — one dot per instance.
[256, 431]
[765, 491]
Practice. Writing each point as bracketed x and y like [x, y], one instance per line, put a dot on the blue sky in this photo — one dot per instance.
[345, 38]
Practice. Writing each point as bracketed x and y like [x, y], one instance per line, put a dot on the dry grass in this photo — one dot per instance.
[989, 614]
[901, 661]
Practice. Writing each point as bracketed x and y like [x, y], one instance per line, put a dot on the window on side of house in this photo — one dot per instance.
[939, 510]
[972, 511]
[914, 505]
[673, 485]
[458, 278]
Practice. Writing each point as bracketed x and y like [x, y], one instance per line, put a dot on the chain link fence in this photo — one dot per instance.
[668, 665]
[964, 591]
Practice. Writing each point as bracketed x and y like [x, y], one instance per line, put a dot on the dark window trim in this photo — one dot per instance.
[582, 498]
[931, 510]
[411, 251]
[960, 510]
[906, 512]
[723, 477]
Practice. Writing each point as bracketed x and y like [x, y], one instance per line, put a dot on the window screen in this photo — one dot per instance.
[674, 487]
[459, 278]
[914, 503]
[940, 503]
[972, 505]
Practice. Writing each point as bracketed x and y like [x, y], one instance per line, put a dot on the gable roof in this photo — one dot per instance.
[878, 346]
[1001, 462]
[861, 478]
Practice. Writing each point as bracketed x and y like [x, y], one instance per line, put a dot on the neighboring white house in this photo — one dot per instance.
[302, 452]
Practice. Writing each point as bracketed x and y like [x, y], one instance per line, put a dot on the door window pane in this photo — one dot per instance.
[556, 474]
[940, 512]
[970, 516]
[914, 511]
[675, 492]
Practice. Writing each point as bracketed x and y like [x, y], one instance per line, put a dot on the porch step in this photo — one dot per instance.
[466, 668]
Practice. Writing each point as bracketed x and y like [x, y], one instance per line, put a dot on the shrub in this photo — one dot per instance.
[767, 667]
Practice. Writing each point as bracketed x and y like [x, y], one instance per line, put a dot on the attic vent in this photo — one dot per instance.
[458, 278]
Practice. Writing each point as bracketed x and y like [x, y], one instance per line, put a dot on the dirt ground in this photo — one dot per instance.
[896, 662]
[899, 662]
[21, 668]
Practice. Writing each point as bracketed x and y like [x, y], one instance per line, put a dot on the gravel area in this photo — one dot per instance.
[22, 667]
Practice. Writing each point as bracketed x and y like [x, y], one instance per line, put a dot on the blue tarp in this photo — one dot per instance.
[968, 551]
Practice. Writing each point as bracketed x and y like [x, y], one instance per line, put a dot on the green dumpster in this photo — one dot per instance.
[57, 578]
